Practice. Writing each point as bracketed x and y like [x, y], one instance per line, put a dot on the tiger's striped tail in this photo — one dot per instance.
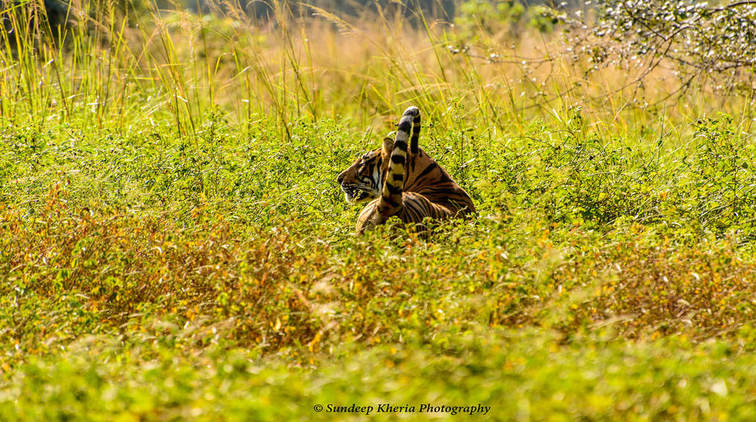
[391, 195]
[415, 113]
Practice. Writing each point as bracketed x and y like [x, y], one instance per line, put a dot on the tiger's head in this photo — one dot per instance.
[363, 180]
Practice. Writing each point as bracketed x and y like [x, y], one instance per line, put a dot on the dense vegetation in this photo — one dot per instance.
[173, 243]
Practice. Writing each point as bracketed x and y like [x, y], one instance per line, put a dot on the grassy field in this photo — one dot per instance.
[174, 245]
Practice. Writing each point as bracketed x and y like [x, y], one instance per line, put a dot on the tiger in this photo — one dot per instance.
[402, 182]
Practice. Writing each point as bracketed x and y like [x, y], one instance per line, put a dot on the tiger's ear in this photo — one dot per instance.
[388, 146]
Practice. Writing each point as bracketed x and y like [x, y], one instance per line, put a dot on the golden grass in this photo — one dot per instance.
[313, 63]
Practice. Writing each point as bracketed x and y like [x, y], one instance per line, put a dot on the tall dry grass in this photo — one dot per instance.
[121, 70]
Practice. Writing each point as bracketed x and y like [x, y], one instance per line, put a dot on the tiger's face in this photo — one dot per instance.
[363, 180]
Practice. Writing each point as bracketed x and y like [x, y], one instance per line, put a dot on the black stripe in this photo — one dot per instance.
[411, 210]
[397, 159]
[427, 170]
[397, 177]
[437, 212]
[390, 201]
[401, 145]
[415, 135]
[385, 210]
[445, 191]
[394, 190]
[420, 210]
[423, 210]
[405, 125]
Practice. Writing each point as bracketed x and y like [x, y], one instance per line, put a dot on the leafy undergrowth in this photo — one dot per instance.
[278, 287]
[522, 375]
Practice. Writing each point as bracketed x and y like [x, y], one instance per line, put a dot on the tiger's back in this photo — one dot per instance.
[403, 181]
[429, 179]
